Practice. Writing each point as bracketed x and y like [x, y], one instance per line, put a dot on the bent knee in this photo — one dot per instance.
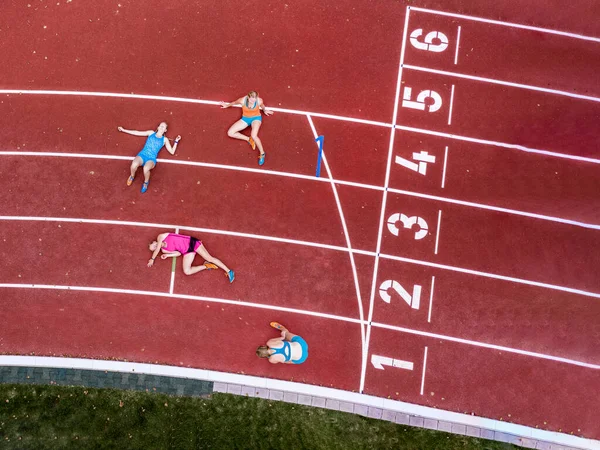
[231, 133]
[187, 271]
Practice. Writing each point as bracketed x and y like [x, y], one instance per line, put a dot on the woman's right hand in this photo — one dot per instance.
[224, 105]
[163, 256]
[120, 128]
[150, 262]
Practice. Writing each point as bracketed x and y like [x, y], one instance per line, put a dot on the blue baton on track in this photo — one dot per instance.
[320, 140]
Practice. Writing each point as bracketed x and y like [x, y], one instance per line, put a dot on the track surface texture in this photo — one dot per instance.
[446, 256]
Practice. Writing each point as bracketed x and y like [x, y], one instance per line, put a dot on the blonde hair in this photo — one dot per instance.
[253, 92]
[262, 351]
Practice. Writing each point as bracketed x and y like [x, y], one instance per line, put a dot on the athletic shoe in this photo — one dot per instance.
[277, 326]
[252, 144]
[145, 186]
[230, 275]
[261, 159]
[210, 266]
[129, 180]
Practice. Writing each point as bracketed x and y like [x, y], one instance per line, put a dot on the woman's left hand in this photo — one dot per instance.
[268, 112]
[178, 138]
[163, 256]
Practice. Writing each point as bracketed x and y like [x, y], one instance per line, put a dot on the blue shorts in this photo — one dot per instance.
[304, 347]
[249, 120]
[145, 158]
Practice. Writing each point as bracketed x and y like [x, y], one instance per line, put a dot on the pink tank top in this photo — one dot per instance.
[177, 243]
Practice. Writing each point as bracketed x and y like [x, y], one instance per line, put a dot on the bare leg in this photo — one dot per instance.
[135, 164]
[207, 257]
[147, 168]
[234, 130]
[254, 133]
[188, 259]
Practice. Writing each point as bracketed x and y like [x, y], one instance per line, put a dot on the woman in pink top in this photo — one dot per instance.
[172, 244]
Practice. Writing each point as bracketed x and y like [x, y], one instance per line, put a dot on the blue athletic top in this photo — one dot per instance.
[153, 146]
[286, 351]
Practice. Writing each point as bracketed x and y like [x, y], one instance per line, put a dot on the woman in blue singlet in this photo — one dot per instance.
[147, 157]
[287, 349]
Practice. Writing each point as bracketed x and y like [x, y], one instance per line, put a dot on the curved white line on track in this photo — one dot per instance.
[321, 180]
[313, 114]
[305, 313]
[306, 244]
[300, 388]
[346, 234]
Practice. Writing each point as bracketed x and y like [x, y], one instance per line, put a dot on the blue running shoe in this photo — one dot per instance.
[230, 275]
[261, 159]
[145, 186]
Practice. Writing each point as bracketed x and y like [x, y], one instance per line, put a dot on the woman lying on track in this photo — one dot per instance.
[147, 157]
[251, 106]
[172, 244]
[287, 349]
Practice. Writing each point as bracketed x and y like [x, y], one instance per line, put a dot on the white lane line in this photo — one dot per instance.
[307, 244]
[498, 144]
[457, 46]
[437, 232]
[503, 83]
[383, 202]
[492, 275]
[297, 311]
[431, 299]
[507, 24]
[325, 180]
[180, 297]
[329, 116]
[515, 212]
[346, 234]
[183, 100]
[424, 368]
[486, 345]
[172, 285]
[451, 104]
[445, 162]
[183, 227]
[300, 388]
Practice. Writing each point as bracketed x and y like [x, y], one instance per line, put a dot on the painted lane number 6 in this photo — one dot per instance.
[427, 43]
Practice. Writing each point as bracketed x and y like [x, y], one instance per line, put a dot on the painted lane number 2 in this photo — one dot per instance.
[414, 300]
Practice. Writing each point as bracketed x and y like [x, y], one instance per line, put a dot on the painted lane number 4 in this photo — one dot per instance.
[420, 166]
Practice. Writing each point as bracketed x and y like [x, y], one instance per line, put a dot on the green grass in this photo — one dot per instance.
[44, 417]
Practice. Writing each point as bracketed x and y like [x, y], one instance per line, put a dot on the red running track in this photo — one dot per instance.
[549, 307]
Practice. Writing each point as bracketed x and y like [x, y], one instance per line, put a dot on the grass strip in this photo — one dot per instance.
[51, 417]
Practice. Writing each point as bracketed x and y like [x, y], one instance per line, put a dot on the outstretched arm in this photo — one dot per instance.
[262, 106]
[171, 149]
[135, 133]
[166, 255]
[239, 101]
[159, 240]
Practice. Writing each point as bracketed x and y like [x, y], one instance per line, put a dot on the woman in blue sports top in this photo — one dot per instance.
[287, 349]
[147, 157]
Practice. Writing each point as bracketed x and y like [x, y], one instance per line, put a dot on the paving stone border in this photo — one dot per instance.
[105, 379]
[190, 387]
